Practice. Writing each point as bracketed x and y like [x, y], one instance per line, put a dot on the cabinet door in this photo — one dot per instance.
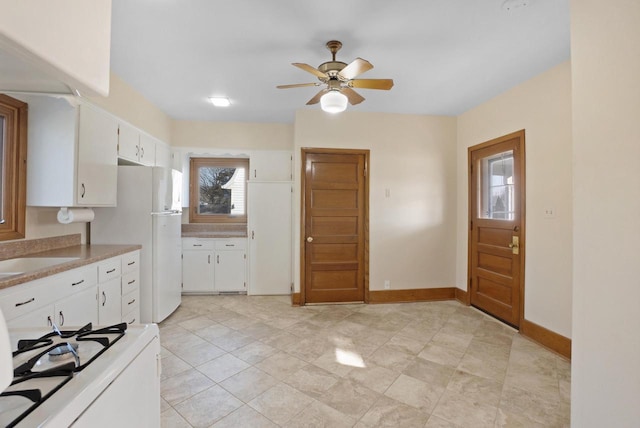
[230, 271]
[109, 302]
[39, 318]
[269, 238]
[147, 150]
[163, 155]
[78, 309]
[128, 142]
[270, 166]
[197, 271]
[97, 179]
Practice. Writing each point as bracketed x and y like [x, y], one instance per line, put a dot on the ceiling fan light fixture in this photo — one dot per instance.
[220, 101]
[334, 102]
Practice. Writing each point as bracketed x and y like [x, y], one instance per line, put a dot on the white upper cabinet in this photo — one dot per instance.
[128, 143]
[148, 150]
[72, 153]
[163, 155]
[270, 165]
[136, 147]
[97, 182]
[55, 46]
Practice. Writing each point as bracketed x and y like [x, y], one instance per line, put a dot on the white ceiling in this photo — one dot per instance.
[445, 56]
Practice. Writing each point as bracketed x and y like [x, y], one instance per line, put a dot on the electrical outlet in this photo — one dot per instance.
[387, 284]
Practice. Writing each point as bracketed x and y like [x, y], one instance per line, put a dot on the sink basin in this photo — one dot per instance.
[27, 264]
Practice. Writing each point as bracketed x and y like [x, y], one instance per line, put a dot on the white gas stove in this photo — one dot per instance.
[93, 377]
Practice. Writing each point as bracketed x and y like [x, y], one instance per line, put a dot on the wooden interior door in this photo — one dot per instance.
[335, 204]
[496, 232]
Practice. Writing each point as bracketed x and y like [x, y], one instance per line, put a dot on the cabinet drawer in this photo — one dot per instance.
[131, 262]
[197, 244]
[78, 279]
[109, 269]
[130, 302]
[130, 282]
[231, 244]
[29, 297]
[132, 317]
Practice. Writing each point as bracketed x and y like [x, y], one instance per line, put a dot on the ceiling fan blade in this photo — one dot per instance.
[355, 68]
[310, 69]
[297, 85]
[353, 96]
[316, 98]
[385, 84]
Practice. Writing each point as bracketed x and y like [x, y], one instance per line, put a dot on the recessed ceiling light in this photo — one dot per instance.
[515, 4]
[220, 101]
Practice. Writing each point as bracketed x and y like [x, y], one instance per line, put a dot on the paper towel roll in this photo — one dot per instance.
[75, 215]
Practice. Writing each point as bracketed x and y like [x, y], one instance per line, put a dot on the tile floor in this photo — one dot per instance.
[238, 361]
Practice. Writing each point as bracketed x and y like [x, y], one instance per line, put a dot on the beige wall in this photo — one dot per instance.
[129, 105]
[605, 55]
[542, 107]
[69, 40]
[232, 135]
[43, 223]
[411, 232]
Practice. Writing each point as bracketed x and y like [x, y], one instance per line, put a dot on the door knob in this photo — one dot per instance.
[310, 239]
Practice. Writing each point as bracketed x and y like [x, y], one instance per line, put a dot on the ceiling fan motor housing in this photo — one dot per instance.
[332, 68]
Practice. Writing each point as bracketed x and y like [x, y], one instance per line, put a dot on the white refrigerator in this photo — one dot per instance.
[148, 213]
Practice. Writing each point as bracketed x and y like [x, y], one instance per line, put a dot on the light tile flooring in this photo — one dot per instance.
[238, 361]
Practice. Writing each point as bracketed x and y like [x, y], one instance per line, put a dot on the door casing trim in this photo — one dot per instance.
[303, 153]
[522, 200]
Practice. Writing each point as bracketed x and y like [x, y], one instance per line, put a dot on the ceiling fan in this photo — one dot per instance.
[340, 79]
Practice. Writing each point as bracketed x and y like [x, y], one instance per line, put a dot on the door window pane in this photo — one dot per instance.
[497, 189]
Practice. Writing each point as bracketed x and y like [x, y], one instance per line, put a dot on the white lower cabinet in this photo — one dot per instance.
[230, 270]
[197, 271]
[95, 294]
[109, 302]
[77, 309]
[214, 265]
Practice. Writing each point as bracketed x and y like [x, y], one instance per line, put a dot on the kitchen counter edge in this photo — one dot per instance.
[86, 254]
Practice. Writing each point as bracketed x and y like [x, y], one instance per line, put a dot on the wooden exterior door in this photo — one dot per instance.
[496, 229]
[334, 205]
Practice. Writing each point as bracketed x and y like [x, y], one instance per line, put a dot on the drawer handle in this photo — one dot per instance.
[131, 282]
[73, 284]
[229, 245]
[112, 270]
[25, 302]
[132, 321]
[131, 263]
[131, 302]
[197, 245]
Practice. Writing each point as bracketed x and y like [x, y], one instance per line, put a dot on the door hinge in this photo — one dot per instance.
[471, 225]
[245, 285]
[245, 257]
[365, 169]
[471, 168]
